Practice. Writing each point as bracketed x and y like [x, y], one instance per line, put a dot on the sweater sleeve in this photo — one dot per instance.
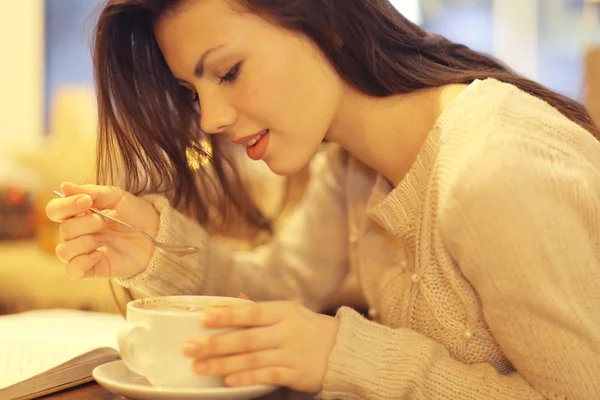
[525, 233]
[305, 261]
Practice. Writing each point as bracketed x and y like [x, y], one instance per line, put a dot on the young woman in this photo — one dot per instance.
[465, 198]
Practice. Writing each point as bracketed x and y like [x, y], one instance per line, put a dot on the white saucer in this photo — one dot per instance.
[115, 377]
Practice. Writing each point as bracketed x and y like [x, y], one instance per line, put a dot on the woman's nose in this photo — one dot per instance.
[216, 116]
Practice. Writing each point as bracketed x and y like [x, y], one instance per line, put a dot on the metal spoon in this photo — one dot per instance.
[175, 249]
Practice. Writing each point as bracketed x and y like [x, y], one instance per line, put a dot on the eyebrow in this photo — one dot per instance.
[199, 68]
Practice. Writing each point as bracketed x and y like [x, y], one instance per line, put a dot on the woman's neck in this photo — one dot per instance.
[387, 133]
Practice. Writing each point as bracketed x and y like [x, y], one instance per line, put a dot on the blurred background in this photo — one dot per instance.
[48, 117]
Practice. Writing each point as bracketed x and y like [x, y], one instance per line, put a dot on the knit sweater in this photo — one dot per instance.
[481, 268]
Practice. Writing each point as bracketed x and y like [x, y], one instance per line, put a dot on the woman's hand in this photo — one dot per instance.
[285, 344]
[94, 247]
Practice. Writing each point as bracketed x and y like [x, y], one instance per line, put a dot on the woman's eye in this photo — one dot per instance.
[192, 96]
[232, 75]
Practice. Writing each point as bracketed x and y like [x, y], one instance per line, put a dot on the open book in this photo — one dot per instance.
[45, 351]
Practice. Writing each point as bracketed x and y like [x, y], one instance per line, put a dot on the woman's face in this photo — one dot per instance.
[252, 78]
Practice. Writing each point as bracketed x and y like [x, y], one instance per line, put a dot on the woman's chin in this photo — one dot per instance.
[284, 167]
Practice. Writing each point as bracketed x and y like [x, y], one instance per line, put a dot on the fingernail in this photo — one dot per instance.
[84, 202]
[208, 319]
[232, 380]
[96, 255]
[201, 367]
[191, 348]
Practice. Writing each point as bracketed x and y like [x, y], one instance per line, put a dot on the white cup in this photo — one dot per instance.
[151, 343]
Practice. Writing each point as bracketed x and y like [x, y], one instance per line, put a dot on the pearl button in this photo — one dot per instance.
[468, 335]
[373, 313]
[414, 278]
[353, 238]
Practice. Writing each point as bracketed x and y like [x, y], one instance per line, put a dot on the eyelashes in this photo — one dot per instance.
[232, 74]
[192, 96]
[229, 77]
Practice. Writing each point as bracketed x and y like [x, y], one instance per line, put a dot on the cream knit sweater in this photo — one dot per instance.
[482, 268]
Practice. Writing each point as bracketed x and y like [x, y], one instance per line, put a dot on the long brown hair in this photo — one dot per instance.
[148, 127]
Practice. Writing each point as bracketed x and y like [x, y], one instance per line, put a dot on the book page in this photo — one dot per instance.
[35, 341]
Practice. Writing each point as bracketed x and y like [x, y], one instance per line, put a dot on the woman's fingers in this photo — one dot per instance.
[67, 251]
[80, 198]
[95, 264]
[254, 314]
[237, 363]
[60, 209]
[84, 265]
[80, 226]
[275, 375]
[102, 196]
[264, 367]
[241, 341]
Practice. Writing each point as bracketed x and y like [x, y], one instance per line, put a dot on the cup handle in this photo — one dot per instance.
[133, 354]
